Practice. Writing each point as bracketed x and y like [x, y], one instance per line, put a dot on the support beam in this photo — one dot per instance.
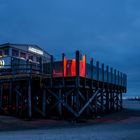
[97, 70]
[29, 99]
[51, 71]
[120, 101]
[77, 80]
[10, 96]
[17, 109]
[116, 95]
[1, 94]
[111, 91]
[44, 101]
[97, 87]
[87, 98]
[91, 71]
[117, 102]
[102, 100]
[118, 78]
[77, 99]
[115, 77]
[85, 61]
[60, 104]
[63, 58]
[77, 68]
[107, 91]
[89, 101]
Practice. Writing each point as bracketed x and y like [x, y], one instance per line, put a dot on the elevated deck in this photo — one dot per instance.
[64, 89]
[80, 89]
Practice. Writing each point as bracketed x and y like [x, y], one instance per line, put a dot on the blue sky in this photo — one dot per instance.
[108, 30]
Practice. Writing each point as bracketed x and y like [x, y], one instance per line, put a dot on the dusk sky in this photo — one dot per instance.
[107, 30]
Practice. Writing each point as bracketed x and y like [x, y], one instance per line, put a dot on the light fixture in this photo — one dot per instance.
[34, 50]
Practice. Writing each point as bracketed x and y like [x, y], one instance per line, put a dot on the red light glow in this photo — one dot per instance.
[70, 67]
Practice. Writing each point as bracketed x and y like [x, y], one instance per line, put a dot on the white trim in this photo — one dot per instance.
[34, 50]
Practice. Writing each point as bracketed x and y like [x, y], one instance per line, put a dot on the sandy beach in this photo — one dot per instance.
[123, 125]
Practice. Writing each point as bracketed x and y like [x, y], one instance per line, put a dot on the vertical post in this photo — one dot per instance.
[118, 82]
[113, 96]
[115, 90]
[117, 99]
[60, 104]
[63, 57]
[1, 92]
[17, 102]
[29, 99]
[72, 100]
[118, 78]
[10, 96]
[84, 60]
[41, 65]
[103, 74]
[115, 77]
[121, 81]
[112, 92]
[121, 88]
[77, 79]
[111, 71]
[121, 101]
[118, 87]
[77, 68]
[51, 71]
[102, 92]
[97, 68]
[44, 102]
[87, 98]
[107, 90]
[91, 70]
[97, 86]
[125, 83]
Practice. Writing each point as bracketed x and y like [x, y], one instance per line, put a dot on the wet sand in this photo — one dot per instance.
[123, 125]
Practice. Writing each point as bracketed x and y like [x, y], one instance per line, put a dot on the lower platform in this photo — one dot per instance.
[63, 97]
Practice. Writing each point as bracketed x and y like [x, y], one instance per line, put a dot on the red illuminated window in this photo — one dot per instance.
[70, 67]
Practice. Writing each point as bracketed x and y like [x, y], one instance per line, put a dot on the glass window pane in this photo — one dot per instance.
[15, 52]
[6, 51]
[23, 55]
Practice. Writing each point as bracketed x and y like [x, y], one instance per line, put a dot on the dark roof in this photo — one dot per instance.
[11, 45]
[24, 45]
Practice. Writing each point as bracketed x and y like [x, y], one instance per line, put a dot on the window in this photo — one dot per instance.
[30, 58]
[15, 52]
[38, 59]
[23, 55]
[1, 53]
[6, 51]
